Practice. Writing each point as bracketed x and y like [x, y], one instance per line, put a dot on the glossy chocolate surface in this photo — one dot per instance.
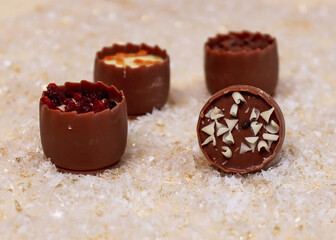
[241, 58]
[145, 87]
[87, 142]
[240, 161]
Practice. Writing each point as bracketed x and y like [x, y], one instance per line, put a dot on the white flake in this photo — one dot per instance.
[237, 97]
[209, 129]
[231, 123]
[227, 152]
[267, 114]
[244, 148]
[234, 110]
[263, 144]
[256, 127]
[273, 127]
[228, 138]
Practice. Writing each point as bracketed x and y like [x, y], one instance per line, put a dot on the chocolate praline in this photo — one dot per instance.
[241, 129]
[241, 58]
[84, 142]
[145, 87]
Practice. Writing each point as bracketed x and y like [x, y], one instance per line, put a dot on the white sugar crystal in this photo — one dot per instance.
[7, 63]
[177, 195]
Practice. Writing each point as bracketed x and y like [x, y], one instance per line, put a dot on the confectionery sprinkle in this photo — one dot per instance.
[163, 187]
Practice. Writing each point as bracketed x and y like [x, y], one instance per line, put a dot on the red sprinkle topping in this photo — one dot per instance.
[76, 101]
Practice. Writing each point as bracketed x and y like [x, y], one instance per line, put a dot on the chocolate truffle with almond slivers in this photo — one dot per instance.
[141, 71]
[241, 58]
[83, 126]
[241, 129]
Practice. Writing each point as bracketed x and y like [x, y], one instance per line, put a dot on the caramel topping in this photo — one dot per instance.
[141, 58]
[144, 62]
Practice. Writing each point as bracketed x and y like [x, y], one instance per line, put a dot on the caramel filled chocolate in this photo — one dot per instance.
[241, 58]
[241, 129]
[86, 142]
[145, 87]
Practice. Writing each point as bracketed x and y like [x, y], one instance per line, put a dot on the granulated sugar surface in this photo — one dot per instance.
[164, 188]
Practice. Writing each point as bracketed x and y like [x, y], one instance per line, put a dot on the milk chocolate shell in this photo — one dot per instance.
[241, 58]
[145, 87]
[84, 142]
[241, 129]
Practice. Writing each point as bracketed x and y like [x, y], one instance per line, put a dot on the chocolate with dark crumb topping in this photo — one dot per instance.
[241, 58]
[245, 41]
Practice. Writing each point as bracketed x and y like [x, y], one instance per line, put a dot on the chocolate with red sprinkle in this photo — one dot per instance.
[69, 100]
[87, 131]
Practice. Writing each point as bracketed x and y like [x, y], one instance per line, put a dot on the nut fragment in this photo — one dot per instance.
[244, 148]
[263, 144]
[228, 138]
[237, 97]
[227, 152]
[254, 114]
[267, 114]
[270, 137]
[234, 110]
[231, 123]
[273, 127]
[256, 127]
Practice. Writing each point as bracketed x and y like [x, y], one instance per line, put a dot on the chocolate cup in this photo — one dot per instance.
[86, 142]
[257, 67]
[145, 87]
[249, 164]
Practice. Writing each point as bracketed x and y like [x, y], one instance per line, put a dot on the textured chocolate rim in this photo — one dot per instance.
[114, 94]
[269, 100]
[242, 52]
[111, 50]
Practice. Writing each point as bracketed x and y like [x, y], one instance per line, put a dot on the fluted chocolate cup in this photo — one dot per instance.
[86, 142]
[241, 58]
[145, 87]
